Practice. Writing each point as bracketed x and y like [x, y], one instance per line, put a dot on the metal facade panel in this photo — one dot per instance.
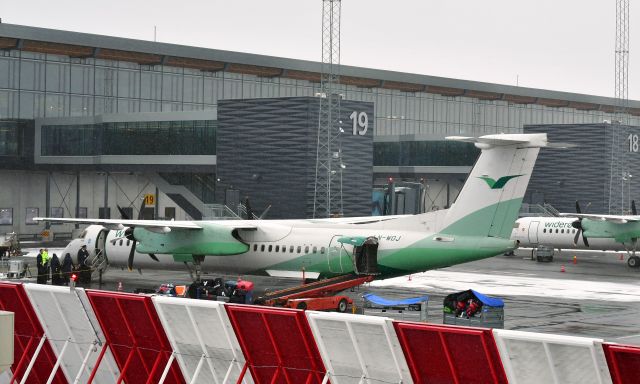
[267, 149]
[198, 328]
[541, 358]
[135, 335]
[62, 312]
[586, 172]
[28, 334]
[623, 362]
[277, 344]
[449, 354]
[356, 347]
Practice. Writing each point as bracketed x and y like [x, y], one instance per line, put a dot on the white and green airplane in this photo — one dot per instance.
[599, 232]
[477, 226]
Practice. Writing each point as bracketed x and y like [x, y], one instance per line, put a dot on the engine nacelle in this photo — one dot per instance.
[212, 239]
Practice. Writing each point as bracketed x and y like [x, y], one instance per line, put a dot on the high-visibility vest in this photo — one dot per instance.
[45, 257]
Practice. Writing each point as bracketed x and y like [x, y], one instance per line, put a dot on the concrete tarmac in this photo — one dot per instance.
[599, 296]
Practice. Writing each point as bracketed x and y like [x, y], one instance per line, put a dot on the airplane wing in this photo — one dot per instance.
[120, 224]
[116, 224]
[618, 219]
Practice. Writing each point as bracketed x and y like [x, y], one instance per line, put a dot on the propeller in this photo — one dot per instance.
[128, 234]
[578, 225]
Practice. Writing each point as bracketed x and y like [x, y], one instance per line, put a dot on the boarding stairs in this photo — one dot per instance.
[99, 264]
[322, 288]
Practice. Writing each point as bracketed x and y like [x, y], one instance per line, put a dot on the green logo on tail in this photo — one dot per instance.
[498, 184]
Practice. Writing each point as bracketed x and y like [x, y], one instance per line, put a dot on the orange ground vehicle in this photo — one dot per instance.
[319, 296]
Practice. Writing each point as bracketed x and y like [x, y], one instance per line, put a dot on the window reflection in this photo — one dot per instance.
[130, 138]
[425, 153]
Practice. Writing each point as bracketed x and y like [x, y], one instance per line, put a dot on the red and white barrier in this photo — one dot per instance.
[277, 344]
[73, 331]
[357, 348]
[623, 362]
[34, 359]
[136, 338]
[542, 358]
[450, 354]
[203, 340]
[65, 335]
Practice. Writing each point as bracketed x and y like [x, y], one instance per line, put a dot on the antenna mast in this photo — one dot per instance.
[325, 202]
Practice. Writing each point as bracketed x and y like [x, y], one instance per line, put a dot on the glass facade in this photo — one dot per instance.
[427, 153]
[70, 140]
[16, 143]
[193, 137]
[39, 85]
[9, 138]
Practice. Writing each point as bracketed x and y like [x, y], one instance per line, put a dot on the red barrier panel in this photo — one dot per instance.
[448, 354]
[623, 362]
[277, 344]
[28, 333]
[133, 331]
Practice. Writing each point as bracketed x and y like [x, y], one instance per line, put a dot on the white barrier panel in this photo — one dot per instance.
[356, 348]
[530, 357]
[73, 331]
[202, 338]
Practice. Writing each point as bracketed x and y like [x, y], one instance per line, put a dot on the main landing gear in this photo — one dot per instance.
[197, 267]
[633, 261]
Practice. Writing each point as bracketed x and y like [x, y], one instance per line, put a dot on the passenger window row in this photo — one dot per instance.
[283, 248]
[561, 230]
[121, 242]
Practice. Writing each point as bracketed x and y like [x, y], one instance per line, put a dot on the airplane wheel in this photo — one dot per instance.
[633, 262]
[342, 305]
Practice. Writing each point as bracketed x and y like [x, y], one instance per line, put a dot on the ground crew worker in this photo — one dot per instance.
[45, 263]
[83, 268]
[67, 267]
[56, 277]
[41, 278]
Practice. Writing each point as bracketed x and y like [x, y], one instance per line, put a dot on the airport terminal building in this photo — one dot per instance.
[89, 123]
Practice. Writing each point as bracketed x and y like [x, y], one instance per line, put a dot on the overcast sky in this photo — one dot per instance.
[565, 45]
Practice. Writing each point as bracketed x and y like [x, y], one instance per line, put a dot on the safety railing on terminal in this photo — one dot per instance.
[65, 335]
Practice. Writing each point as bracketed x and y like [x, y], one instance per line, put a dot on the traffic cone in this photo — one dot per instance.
[120, 285]
[562, 268]
[575, 259]
[409, 277]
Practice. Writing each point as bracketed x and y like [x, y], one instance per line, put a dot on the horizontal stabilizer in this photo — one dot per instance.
[521, 140]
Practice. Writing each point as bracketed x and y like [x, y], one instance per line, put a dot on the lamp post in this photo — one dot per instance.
[626, 176]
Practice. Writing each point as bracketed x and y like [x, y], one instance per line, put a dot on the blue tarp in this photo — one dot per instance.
[488, 300]
[391, 303]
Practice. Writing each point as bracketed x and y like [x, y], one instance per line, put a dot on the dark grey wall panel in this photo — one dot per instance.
[267, 149]
[592, 172]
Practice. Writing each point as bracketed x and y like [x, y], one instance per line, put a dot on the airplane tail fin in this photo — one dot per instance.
[490, 199]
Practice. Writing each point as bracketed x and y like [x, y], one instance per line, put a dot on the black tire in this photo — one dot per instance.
[633, 262]
[302, 305]
[342, 306]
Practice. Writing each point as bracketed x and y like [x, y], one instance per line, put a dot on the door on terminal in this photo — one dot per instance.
[533, 232]
[148, 213]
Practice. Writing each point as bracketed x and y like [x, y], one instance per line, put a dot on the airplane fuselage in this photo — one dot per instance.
[556, 232]
[286, 247]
